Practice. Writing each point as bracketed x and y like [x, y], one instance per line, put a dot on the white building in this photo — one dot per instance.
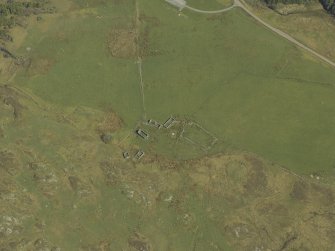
[178, 3]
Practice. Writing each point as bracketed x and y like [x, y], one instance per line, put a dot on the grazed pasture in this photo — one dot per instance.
[257, 109]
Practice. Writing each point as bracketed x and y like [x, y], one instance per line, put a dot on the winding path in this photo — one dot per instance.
[241, 4]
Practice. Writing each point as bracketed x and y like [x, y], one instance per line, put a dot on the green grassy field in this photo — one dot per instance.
[311, 24]
[77, 68]
[256, 101]
[244, 84]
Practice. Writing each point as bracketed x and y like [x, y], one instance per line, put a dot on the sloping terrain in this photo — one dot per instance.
[63, 188]
[246, 164]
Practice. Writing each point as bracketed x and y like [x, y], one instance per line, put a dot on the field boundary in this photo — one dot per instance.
[139, 58]
[205, 148]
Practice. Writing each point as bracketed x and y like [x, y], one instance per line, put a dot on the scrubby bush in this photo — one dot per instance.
[329, 5]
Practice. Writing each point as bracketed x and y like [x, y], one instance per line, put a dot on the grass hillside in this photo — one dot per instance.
[252, 89]
[248, 163]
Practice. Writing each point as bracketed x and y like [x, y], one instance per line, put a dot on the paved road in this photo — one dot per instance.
[241, 4]
[209, 11]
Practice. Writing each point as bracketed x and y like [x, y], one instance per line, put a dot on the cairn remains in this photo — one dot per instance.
[125, 155]
[139, 155]
[154, 123]
[142, 134]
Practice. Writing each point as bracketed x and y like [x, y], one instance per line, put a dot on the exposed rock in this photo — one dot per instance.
[106, 138]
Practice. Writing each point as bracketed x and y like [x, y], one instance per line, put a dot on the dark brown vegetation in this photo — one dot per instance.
[11, 14]
[138, 243]
[251, 202]
[328, 5]
[266, 217]
[109, 123]
[122, 43]
[127, 43]
[40, 66]
[11, 99]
